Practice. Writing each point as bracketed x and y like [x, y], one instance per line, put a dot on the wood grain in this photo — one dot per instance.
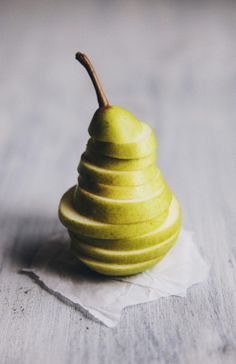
[172, 64]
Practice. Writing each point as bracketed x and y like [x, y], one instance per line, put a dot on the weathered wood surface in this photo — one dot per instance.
[173, 64]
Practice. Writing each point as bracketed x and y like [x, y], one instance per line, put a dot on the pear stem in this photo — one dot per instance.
[83, 59]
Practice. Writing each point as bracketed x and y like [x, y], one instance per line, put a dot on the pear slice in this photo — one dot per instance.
[77, 223]
[115, 211]
[117, 178]
[116, 164]
[122, 192]
[124, 257]
[149, 239]
[118, 270]
[142, 147]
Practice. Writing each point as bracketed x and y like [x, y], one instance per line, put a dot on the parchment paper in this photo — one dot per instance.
[56, 270]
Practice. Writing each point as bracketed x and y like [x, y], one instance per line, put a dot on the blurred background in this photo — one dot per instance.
[172, 64]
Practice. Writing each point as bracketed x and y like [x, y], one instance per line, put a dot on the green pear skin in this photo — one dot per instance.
[122, 217]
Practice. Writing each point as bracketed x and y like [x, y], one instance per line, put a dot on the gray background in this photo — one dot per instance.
[171, 63]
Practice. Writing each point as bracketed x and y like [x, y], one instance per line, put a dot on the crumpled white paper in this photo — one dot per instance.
[56, 270]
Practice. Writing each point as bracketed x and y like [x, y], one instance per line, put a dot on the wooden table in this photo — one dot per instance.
[172, 64]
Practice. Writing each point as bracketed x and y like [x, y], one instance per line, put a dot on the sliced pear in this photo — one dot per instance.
[146, 240]
[115, 211]
[116, 164]
[77, 223]
[143, 146]
[122, 218]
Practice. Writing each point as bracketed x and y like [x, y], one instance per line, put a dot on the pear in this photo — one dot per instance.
[122, 217]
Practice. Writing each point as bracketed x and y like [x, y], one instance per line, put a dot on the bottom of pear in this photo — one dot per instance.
[151, 248]
[121, 263]
[116, 270]
[120, 257]
[126, 250]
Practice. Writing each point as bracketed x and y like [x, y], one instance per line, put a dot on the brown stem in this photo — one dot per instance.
[83, 59]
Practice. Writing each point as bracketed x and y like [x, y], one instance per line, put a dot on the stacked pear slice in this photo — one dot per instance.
[122, 218]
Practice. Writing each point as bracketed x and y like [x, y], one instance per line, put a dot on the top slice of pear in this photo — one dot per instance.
[114, 125]
[140, 147]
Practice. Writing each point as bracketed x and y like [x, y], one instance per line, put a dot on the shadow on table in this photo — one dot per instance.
[24, 235]
[41, 245]
[55, 261]
[41, 250]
